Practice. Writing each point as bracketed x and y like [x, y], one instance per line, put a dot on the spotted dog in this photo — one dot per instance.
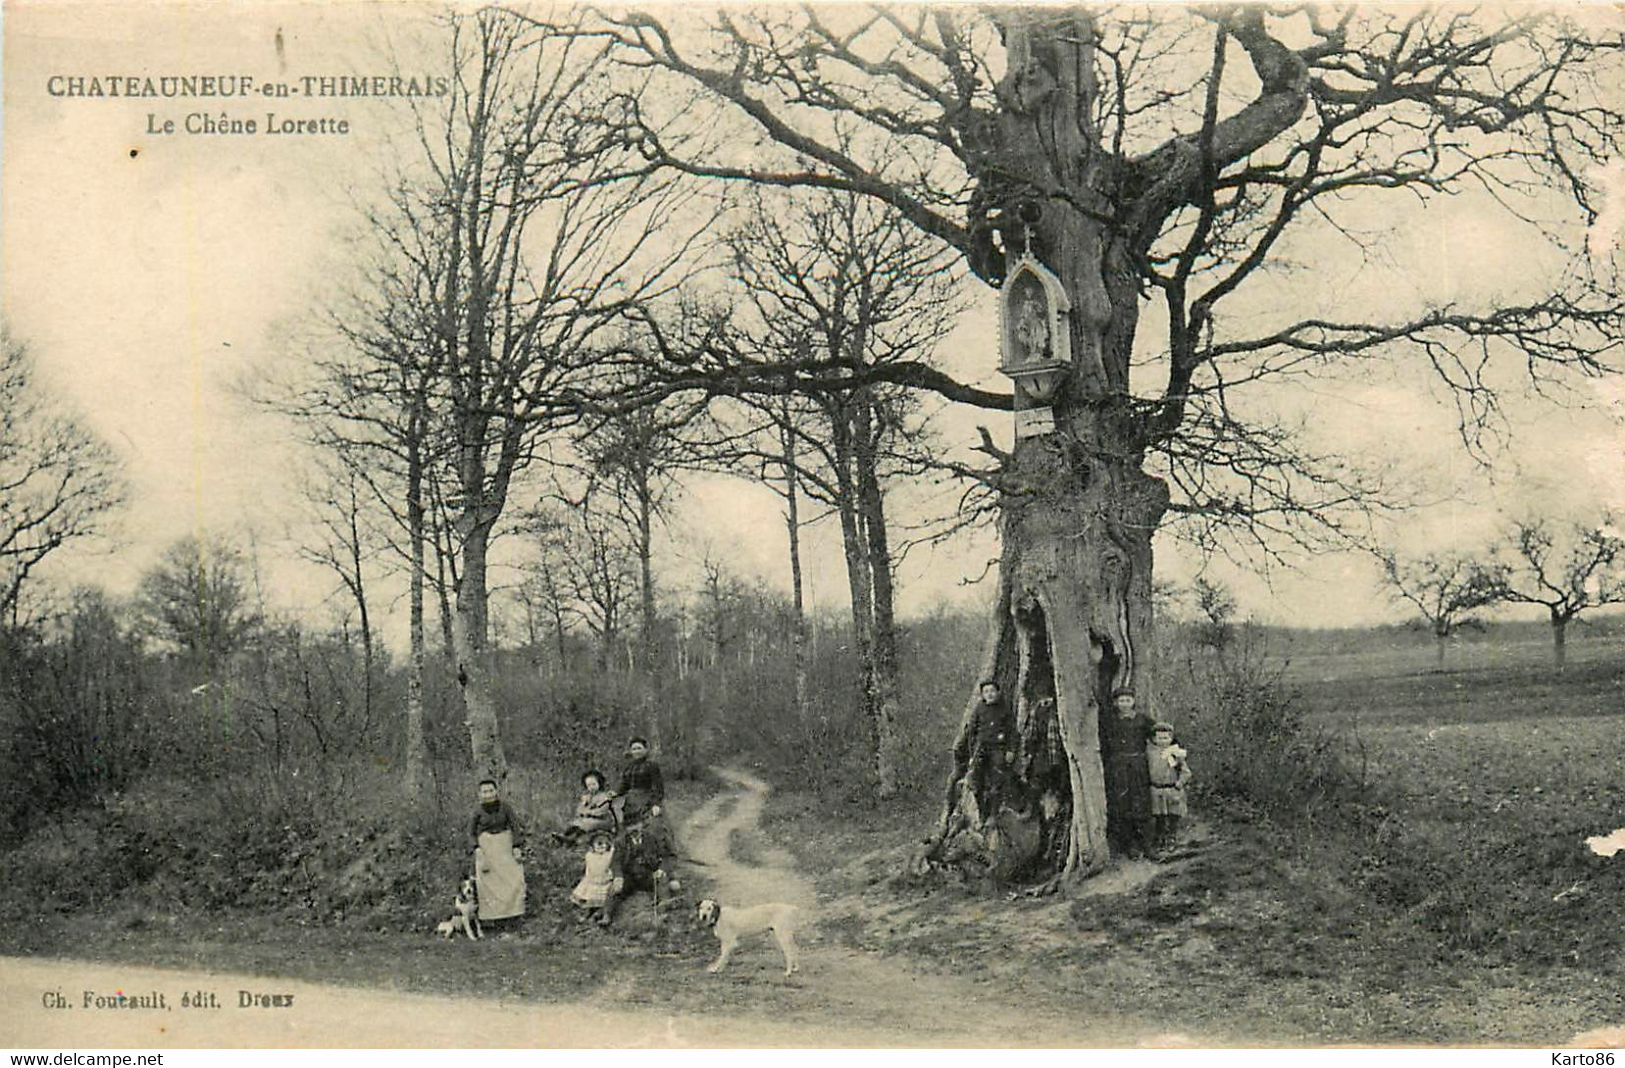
[465, 915]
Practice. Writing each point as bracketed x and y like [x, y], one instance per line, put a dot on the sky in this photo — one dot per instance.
[153, 273]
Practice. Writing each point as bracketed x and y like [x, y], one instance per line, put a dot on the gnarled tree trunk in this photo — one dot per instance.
[1071, 627]
[1072, 620]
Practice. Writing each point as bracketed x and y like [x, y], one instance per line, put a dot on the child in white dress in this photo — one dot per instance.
[598, 876]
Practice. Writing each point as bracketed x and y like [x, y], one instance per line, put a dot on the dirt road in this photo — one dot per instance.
[841, 997]
[841, 984]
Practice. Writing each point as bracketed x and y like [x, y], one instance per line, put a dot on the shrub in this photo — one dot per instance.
[1251, 747]
[319, 848]
[80, 717]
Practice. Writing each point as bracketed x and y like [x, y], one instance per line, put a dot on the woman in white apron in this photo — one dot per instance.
[498, 875]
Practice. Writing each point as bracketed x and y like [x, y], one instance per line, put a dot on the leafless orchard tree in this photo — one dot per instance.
[1446, 588]
[1564, 569]
[1163, 164]
[58, 483]
[1215, 607]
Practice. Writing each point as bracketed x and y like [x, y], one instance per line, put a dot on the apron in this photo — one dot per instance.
[499, 878]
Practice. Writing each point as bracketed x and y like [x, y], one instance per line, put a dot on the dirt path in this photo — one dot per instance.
[708, 837]
[322, 1015]
[842, 984]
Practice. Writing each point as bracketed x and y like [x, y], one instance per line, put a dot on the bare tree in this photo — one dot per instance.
[366, 400]
[342, 543]
[790, 476]
[199, 599]
[586, 570]
[515, 241]
[1217, 606]
[631, 459]
[1184, 155]
[58, 483]
[1566, 571]
[836, 275]
[1445, 588]
[551, 244]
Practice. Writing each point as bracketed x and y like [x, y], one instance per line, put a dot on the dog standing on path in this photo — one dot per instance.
[730, 924]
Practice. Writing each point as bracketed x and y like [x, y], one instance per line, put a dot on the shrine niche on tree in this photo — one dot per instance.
[1065, 580]
[1035, 338]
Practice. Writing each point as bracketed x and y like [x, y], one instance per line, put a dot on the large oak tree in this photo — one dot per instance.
[1162, 163]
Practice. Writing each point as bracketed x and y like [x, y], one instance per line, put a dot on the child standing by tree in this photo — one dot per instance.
[1165, 761]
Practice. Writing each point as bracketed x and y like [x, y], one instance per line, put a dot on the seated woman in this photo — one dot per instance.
[594, 811]
[642, 790]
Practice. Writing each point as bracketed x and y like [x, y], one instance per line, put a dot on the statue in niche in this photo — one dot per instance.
[1031, 327]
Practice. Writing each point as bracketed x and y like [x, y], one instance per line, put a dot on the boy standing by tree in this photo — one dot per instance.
[1165, 763]
[1128, 812]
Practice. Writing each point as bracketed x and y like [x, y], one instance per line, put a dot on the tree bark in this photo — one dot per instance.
[474, 677]
[646, 578]
[442, 588]
[360, 592]
[1560, 637]
[859, 577]
[648, 639]
[416, 743]
[792, 522]
[877, 550]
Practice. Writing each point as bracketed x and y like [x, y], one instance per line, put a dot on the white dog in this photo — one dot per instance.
[465, 916]
[731, 924]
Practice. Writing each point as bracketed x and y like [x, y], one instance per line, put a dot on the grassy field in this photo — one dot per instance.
[1461, 907]
[1391, 677]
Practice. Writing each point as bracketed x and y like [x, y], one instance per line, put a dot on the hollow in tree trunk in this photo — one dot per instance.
[1072, 619]
[1070, 628]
